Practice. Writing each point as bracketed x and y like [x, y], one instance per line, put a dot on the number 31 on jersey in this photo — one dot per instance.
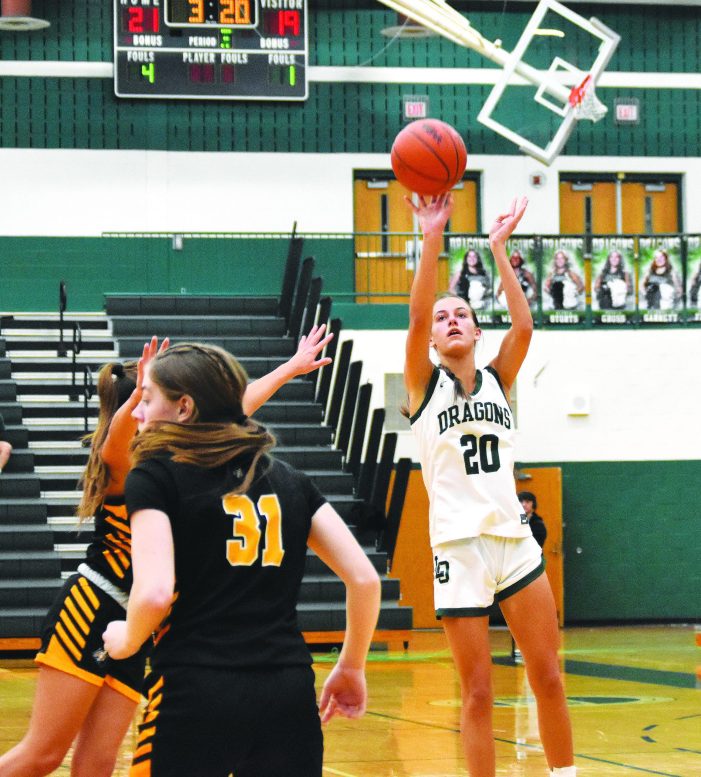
[244, 548]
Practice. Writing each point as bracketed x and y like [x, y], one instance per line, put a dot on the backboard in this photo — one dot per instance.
[540, 93]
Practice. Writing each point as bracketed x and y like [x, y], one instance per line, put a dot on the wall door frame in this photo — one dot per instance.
[621, 203]
[388, 237]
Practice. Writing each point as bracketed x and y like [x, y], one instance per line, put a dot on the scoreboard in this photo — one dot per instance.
[211, 49]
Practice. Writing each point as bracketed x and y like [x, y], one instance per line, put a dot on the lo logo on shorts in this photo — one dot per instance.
[442, 570]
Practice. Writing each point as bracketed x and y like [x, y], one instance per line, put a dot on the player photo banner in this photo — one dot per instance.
[613, 280]
[522, 253]
[562, 287]
[472, 273]
[693, 279]
[660, 297]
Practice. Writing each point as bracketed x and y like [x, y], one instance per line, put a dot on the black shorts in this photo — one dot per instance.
[209, 722]
[72, 632]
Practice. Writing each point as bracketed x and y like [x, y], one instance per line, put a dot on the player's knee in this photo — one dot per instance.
[96, 765]
[546, 681]
[478, 698]
[42, 761]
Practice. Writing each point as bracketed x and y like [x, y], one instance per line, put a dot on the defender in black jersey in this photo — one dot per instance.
[219, 543]
[78, 697]
[97, 695]
[482, 545]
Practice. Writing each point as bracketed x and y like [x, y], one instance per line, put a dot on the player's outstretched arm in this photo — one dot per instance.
[433, 214]
[514, 346]
[115, 449]
[304, 361]
[345, 692]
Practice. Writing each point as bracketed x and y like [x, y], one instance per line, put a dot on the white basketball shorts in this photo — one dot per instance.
[469, 574]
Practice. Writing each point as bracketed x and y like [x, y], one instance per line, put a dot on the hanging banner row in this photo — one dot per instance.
[576, 280]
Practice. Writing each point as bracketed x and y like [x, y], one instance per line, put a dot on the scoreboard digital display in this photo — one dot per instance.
[211, 49]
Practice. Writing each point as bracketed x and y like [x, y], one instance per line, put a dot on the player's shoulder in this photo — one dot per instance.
[492, 375]
[438, 377]
[281, 472]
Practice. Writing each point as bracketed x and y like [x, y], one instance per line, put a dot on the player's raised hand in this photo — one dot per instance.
[432, 212]
[309, 348]
[149, 353]
[505, 223]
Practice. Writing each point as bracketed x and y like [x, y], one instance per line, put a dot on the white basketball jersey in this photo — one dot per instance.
[466, 450]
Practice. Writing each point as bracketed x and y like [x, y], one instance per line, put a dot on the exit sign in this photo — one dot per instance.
[627, 110]
[415, 107]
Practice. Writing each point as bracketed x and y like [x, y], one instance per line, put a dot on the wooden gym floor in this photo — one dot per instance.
[634, 702]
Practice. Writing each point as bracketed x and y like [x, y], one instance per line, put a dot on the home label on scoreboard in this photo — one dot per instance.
[211, 49]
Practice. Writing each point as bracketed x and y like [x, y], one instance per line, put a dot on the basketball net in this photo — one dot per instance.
[585, 103]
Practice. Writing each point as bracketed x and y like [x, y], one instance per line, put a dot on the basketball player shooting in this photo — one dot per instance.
[482, 544]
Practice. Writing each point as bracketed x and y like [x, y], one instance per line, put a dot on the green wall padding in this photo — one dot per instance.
[33, 267]
[84, 113]
[637, 526]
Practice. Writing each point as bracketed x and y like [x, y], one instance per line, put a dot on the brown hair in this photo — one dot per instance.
[115, 384]
[218, 431]
[667, 264]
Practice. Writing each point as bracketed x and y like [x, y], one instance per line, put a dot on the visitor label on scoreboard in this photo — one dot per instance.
[613, 280]
[693, 278]
[211, 49]
[472, 273]
[660, 292]
[562, 287]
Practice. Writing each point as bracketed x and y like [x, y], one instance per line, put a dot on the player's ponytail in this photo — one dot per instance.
[115, 384]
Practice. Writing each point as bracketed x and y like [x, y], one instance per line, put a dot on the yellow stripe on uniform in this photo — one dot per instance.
[87, 590]
[122, 527]
[115, 567]
[140, 751]
[82, 625]
[126, 560]
[145, 733]
[68, 623]
[142, 769]
[119, 542]
[155, 687]
[56, 657]
[122, 688]
[68, 642]
[78, 597]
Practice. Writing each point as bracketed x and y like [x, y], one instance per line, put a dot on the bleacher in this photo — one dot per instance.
[48, 367]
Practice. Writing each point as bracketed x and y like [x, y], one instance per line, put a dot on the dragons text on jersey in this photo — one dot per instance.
[466, 449]
[474, 411]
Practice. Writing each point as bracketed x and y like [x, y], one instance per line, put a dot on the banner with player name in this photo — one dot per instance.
[473, 274]
[693, 279]
[660, 291]
[613, 280]
[523, 258]
[562, 287]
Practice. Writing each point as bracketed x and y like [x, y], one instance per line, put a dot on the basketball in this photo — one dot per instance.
[428, 157]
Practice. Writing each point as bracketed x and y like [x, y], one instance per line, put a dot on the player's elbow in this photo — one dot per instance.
[365, 582]
[157, 598]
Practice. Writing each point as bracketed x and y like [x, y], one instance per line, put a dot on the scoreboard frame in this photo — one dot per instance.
[263, 55]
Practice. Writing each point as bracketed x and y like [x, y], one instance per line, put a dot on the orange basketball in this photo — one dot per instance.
[428, 157]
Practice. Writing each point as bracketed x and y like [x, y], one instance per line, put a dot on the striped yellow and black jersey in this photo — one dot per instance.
[239, 561]
[110, 551]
